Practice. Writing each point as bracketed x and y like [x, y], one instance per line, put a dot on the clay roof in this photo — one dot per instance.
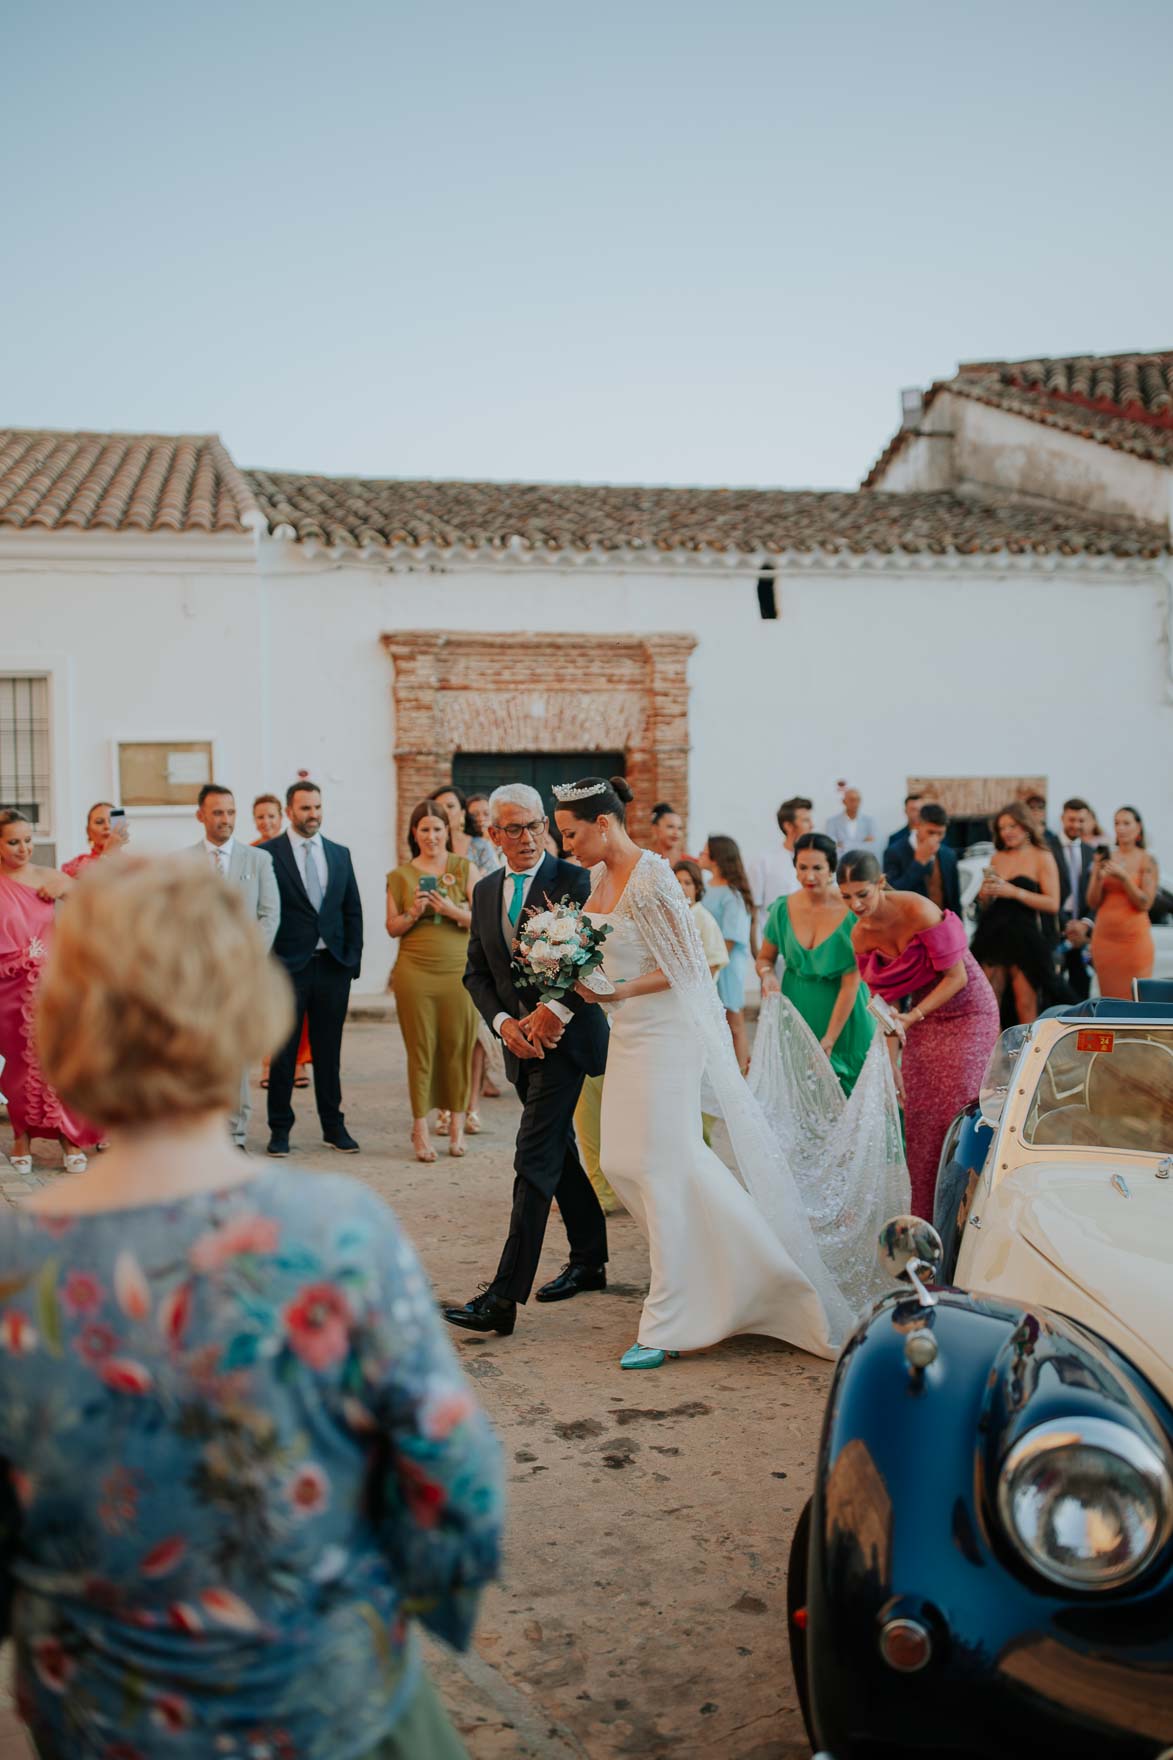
[188, 483]
[120, 482]
[1120, 400]
[356, 513]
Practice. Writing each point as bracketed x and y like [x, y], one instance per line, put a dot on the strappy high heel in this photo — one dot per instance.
[423, 1151]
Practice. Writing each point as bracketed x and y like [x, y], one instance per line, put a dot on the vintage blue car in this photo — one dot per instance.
[985, 1568]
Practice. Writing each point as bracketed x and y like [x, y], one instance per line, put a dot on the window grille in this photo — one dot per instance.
[25, 773]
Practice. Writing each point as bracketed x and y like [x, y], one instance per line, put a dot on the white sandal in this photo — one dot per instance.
[21, 1164]
[76, 1163]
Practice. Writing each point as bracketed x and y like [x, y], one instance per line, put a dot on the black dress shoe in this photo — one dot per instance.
[485, 1313]
[342, 1141]
[572, 1280]
[278, 1143]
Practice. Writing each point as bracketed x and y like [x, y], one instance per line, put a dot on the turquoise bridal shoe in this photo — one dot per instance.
[640, 1357]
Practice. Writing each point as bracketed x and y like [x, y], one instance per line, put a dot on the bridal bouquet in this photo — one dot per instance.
[559, 948]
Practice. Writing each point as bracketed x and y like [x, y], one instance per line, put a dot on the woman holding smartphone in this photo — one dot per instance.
[106, 829]
[1020, 893]
[428, 913]
[1120, 890]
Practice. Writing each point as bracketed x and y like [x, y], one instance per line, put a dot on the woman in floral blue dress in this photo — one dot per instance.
[238, 1463]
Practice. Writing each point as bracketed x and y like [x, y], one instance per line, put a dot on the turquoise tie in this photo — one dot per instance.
[515, 902]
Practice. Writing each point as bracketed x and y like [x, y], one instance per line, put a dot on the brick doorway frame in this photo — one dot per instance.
[478, 692]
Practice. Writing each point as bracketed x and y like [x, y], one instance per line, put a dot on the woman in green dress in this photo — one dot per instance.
[428, 913]
[811, 929]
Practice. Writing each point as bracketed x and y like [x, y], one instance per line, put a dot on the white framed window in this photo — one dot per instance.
[26, 752]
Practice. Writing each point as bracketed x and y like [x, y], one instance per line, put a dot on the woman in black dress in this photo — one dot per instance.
[1021, 886]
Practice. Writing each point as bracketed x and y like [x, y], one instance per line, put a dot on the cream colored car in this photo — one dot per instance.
[1073, 1207]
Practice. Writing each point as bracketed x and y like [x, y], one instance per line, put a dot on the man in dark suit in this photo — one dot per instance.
[902, 838]
[319, 943]
[1074, 855]
[926, 864]
[550, 1048]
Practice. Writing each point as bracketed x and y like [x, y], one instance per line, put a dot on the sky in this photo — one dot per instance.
[663, 241]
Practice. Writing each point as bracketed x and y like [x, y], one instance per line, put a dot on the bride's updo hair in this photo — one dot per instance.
[611, 797]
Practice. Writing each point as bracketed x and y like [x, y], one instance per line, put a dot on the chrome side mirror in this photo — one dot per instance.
[909, 1247]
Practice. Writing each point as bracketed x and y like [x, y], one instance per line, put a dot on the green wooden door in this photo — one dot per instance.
[482, 772]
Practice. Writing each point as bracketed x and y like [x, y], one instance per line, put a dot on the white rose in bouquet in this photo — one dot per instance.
[564, 930]
[542, 954]
[540, 922]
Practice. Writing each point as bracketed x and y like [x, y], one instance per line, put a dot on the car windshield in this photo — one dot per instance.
[1105, 1088]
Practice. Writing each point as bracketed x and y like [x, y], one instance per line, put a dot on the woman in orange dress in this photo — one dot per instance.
[1120, 890]
[267, 812]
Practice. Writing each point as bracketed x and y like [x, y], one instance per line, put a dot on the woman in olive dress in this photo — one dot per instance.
[428, 913]
[811, 929]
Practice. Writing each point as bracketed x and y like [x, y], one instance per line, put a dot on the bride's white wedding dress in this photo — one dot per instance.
[726, 1258]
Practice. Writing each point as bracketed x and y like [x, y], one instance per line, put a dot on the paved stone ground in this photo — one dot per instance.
[642, 1609]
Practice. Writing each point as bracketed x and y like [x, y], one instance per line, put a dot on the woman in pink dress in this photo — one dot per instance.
[27, 898]
[104, 834]
[916, 957]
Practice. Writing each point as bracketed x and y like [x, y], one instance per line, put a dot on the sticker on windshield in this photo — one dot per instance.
[1095, 1041]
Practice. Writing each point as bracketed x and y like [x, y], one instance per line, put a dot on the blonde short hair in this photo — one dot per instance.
[157, 992]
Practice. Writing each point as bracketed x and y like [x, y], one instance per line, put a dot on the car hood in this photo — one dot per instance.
[1116, 1250]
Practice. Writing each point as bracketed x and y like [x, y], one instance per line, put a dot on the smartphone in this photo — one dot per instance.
[118, 822]
[428, 883]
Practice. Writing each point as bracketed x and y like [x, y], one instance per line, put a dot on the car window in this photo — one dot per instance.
[1103, 1088]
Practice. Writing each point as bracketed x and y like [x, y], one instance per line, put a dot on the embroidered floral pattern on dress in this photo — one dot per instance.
[235, 1448]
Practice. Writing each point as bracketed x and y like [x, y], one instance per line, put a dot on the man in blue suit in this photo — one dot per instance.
[926, 864]
[319, 942]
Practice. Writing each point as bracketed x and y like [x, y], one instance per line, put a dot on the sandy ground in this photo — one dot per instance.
[641, 1611]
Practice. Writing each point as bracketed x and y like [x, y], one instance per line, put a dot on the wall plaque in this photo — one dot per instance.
[163, 773]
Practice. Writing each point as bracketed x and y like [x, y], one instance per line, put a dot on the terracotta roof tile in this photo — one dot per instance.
[352, 513]
[120, 482]
[1120, 400]
[188, 483]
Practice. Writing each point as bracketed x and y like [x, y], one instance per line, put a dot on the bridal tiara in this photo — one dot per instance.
[566, 791]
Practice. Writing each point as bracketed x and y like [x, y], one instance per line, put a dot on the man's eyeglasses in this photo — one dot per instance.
[513, 832]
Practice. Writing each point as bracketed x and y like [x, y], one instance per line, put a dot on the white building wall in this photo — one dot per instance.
[870, 675]
[975, 449]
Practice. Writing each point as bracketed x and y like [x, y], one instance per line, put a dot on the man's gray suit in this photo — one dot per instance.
[250, 871]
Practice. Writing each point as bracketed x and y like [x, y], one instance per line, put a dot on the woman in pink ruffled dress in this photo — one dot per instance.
[28, 895]
[917, 958]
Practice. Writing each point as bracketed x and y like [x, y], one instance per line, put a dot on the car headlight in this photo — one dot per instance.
[1086, 1501]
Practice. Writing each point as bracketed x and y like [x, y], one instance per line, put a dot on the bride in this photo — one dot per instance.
[726, 1258]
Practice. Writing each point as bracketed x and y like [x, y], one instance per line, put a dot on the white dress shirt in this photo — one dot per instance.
[1072, 871]
[772, 875]
[309, 849]
[566, 1015]
[220, 854]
